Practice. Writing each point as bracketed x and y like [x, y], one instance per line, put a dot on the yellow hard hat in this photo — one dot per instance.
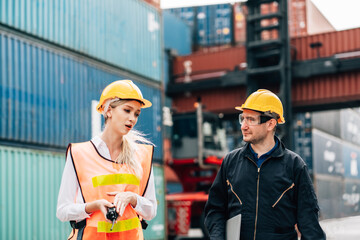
[122, 89]
[264, 101]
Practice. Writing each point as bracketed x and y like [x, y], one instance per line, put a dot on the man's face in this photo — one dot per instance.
[253, 132]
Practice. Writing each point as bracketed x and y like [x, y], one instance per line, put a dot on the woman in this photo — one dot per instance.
[111, 170]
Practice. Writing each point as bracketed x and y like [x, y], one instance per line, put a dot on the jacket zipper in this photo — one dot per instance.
[257, 201]
[292, 185]
[257, 193]
[231, 188]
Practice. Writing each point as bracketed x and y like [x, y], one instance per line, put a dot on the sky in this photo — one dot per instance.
[342, 14]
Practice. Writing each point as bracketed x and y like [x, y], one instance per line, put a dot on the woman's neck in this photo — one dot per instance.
[113, 142]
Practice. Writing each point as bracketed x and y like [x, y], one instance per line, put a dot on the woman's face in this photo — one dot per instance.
[124, 117]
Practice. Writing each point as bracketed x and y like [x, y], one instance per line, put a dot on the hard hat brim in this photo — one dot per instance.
[145, 104]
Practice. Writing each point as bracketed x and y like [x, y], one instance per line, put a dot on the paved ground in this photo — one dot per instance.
[342, 228]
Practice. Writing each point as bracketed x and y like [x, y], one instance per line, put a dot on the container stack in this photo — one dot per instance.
[329, 143]
[215, 27]
[56, 58]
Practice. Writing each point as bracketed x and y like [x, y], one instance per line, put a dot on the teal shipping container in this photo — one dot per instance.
[123, 33]
[30, 181]
[46, 95]
[156, 229]
[177, 34]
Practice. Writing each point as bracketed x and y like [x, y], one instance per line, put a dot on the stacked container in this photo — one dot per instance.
[329, 143]
[212, 25]
[56, 58]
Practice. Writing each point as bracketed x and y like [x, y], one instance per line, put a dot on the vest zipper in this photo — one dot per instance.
[292, 185]
[231, 188]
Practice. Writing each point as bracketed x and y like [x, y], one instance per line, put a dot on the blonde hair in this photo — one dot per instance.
[130, 141]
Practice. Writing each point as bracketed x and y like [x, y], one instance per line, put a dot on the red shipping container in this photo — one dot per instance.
[179, 215]
[155, 3]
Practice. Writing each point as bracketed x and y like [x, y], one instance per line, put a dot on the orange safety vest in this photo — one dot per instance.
[97, 176]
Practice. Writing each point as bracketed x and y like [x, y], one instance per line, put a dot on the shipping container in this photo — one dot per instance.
[351, 197]
[351, 159]
[328, 89]
[327, 154]
[126, 34]
[211, 24]
[155, 3]
[327, 121]
[223, 101]
[30, 182]
[297, 18]
[303, 138]
[329, 192]
[197, 63]
[177, 34]
[349, 40]
[239, 23]
[214, 25]
[46, 95]
[156, 228]
[350, 126]
[335, 160]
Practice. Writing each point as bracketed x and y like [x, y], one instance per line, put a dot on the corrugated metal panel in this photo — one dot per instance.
[177, 34]
[351, 158]
[328, 121]
[329, 192]
[226, 59]
[328, 89]
[327, 154]
[46, 96]
[239, 23]
[30, 182]
[155, 3]
[297, 18]
[214, 101]
[351, 197]
[156, 229]
[212, 23]
[349, 40]
[303, 138]
[186, 14]
[124, 33]
[350, 126]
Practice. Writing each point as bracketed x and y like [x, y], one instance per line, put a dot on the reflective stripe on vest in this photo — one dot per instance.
[112, 179]
[97, 176]
[119, 226]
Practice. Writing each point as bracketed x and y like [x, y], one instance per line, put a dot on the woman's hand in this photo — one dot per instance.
[122, 199]
[100, 204]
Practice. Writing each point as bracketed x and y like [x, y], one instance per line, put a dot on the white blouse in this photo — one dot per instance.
[67, 210]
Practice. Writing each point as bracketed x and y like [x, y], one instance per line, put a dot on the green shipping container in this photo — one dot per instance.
[30, 182]
[156, 228]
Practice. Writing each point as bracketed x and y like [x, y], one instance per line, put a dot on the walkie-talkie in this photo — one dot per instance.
[112, 215]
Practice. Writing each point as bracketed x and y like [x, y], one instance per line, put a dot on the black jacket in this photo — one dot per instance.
[272, 198]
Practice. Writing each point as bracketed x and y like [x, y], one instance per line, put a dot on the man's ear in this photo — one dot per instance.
[272, 124]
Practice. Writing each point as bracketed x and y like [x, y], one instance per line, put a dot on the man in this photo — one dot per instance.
[263, 181]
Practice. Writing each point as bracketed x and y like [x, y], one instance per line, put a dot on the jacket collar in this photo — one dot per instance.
[278, 152]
